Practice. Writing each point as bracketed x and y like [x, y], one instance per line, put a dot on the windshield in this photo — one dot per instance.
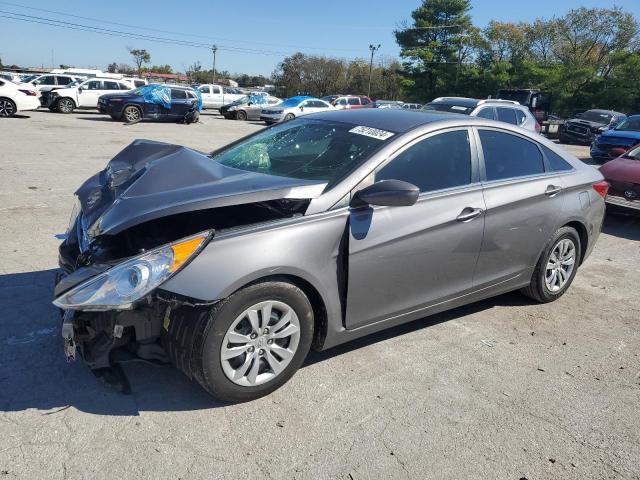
[292, 102]
[240, 101]
[305, 149]
[447, 107]
[633, 154]
[630, 125]
[594, 116]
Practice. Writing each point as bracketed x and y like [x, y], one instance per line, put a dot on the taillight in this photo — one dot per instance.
[602, 188]
[537, 127]
[31, 93]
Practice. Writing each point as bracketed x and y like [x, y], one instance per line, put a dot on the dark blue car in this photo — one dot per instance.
[625, 135]
[153, 102]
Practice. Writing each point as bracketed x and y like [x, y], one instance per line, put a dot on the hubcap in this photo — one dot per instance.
[6, 108]
[65, 105]
[560, 265]
[260, 343]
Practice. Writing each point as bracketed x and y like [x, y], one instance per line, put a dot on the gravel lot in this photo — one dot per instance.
[500, 389]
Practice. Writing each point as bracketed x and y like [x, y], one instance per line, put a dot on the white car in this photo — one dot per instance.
[216, 96]
[86, 94]
[294, 107]
[17, 98]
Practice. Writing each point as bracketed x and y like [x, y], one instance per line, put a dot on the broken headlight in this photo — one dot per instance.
[120, 286]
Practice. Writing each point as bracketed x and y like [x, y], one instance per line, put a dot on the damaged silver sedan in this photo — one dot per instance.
[308, 234]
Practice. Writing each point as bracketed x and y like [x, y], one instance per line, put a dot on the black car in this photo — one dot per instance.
[584, 127]
[137, 104]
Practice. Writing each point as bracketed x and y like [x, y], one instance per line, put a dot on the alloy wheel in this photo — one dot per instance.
[260, 343]
[132, 114]
[65, 105]
[7, 108]
[560, 265]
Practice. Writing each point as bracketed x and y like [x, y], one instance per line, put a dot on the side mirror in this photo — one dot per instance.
[80, 89]
[389, 193]
[302, 109]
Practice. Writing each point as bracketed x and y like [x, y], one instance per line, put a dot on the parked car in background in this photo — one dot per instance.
[46, 83]
[508, 111]
[347, 102]
[16, 98]
[248, 107]
[144, 103]
[537, 101]
[294, 107]
[330, 98]
[315, 232]
[584, 127]
[623, 176]
[84, 94]
[412, 106]
[11, 76]
[623, 136]
[388, 104]
[215, 96]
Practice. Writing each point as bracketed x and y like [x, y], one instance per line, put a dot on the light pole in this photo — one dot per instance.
[373, 49]
[214, 49]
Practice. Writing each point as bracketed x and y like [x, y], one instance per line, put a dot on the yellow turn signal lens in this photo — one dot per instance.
[184, 250]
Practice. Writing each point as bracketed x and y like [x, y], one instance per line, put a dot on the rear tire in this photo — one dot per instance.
[289, 116]
[231, 380]
[547, 286]
[7, 107]
[241, 115]
[65, 105]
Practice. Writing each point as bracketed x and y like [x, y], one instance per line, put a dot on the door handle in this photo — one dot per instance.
[468, 214]
[552, 190]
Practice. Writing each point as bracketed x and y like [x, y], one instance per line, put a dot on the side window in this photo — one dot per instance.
[487, 112]
[216, 90]
[178, 94]
[440, 161]
[365, 101]
[205, 89]
[139, 83]
[353, 101]
[190, 94]
[341, 101]
[507, 115]
[507, 155]
[520, 117]
[124, 86]
[111, 86]
[1, 83]
[48, 80]
[556, 162]
[318, 104]
[94, 85]
[64, 80]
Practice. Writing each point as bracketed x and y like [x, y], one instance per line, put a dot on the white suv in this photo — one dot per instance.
[508, 111]
[86, 94]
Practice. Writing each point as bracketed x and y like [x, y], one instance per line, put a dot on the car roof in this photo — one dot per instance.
[598, 110]
[393, 120]
[462, 101]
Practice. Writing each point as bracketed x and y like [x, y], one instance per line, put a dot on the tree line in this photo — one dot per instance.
[589, 57]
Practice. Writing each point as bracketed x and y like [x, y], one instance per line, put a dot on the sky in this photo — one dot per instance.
[252, 37]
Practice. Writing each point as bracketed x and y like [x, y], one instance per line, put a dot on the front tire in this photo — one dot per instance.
[65, 105]
[289, 116]
[557, 267]
[7, 107]
[131, 114]
[241, 115]
[254, 341]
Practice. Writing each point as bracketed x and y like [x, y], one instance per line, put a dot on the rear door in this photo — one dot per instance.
[524, 206]
[180, 103]
[403, 259]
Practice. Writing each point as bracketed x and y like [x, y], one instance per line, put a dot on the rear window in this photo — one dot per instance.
[507, 115]
[177, 94]
[353, 101]
[448, 107]
[508, 156]
[556, 162]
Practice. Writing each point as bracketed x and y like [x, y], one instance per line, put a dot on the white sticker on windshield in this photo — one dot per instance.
[456, 107]
[371, 132]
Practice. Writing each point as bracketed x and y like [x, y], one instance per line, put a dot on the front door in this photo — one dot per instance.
[89, 93]
[403, 259]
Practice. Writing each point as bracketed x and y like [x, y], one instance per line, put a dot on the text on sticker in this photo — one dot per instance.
[371, 132]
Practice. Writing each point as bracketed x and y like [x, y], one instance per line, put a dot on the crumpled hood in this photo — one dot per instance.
[149, 180]
[586, 123]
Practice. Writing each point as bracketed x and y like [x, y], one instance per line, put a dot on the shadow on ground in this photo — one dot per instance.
[622, 223]
[34, 375]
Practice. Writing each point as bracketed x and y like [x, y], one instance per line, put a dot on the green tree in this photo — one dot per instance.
[140, 56]
[432, 46]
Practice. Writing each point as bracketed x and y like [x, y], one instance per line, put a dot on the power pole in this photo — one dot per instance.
[373, 49]
[214, 49]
